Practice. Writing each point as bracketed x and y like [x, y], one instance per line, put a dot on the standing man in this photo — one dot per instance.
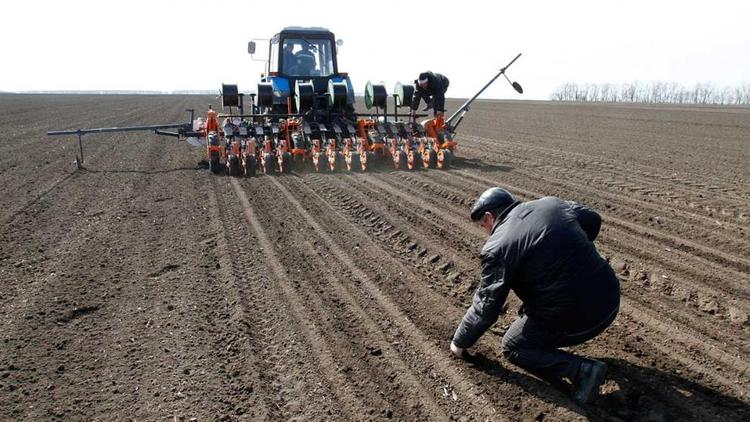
[431, 87]
[543, 250]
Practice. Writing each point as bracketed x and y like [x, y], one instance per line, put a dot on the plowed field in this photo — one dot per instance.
[145, 288]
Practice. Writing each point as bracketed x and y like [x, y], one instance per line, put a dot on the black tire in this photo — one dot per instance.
[355, 164]
[298, 163]
[332, 163]
[285, 163]
[214, 164]
[250, 165]
[269, 164]
[447, 159]
[322, 163]
[233, 165]
[416, 160]
[403, 161]
[368, 162]
[431, 159]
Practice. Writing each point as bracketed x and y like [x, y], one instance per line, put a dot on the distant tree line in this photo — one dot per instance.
[654, 92]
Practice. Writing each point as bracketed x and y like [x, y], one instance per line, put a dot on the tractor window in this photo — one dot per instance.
[307, 57]
[273, 62]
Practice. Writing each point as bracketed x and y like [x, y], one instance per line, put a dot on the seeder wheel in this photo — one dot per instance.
[213, 163]
[400, 161]
[233, 166]
[334, 161]
[353, 163]
[366, 160]
[285, 163]
[445, 157]
[320, 161]
[414, 161]
[429, 159]
[269, 165]
[297, 162]
[250, 165]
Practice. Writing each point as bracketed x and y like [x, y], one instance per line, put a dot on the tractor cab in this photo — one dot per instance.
[302, 57]
[297, 56]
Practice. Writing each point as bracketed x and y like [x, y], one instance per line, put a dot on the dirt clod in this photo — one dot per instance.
[709, 306]
[738, 316]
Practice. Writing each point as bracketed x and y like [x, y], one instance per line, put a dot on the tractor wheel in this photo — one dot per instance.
[233, 166]
[447, 158]
[354, 163]
[285, 163]
[322, 165]
[213, 163]
[250, 165]
[269, 164]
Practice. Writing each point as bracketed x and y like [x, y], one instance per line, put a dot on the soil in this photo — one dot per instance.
[143, 287]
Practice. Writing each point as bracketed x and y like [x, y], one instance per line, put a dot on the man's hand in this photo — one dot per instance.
[459, 352]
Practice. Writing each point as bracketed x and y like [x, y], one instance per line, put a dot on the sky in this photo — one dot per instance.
[177, 45]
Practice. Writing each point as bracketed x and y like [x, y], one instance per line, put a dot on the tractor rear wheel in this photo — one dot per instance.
[213, 163]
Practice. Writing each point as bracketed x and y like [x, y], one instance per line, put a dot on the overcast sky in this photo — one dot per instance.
[174, 45]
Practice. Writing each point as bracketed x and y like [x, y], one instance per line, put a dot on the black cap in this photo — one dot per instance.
[491, 199]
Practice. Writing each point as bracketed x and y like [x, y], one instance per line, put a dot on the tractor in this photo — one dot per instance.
[302, 117]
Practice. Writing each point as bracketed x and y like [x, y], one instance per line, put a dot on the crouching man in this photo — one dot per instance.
[543, 250]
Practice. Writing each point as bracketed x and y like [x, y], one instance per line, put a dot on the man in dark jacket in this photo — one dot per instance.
[543, 250]
[431, 88]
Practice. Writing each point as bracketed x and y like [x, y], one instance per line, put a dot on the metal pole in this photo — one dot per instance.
[466, 104]
[80, 144]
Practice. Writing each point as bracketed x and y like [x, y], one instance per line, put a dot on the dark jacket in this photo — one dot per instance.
[436, 87]
[544, 251]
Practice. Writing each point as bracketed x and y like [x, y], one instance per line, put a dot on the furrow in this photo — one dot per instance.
[323, 355]
[724, 357]
[438, 357]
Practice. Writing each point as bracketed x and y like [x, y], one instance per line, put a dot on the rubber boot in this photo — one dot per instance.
[590, 377]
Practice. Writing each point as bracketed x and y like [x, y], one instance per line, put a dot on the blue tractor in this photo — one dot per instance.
[302, 75]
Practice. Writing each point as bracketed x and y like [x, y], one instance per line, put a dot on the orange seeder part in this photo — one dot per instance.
[432, 126]
[212, 124]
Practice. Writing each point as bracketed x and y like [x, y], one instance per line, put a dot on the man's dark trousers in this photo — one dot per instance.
[533, 347]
